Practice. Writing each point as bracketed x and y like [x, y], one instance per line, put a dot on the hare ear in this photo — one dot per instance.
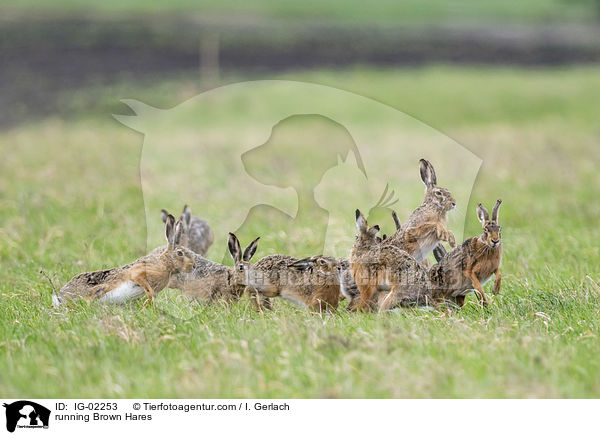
[250, 249]
[163, 214]
[427, 173]
[302, 264]
[235, 249]
[186, 215]
[396, 221]
[169, 230]
[361, 222]
[482, 214]
[495, 210]
[439, 252]
[178, 233]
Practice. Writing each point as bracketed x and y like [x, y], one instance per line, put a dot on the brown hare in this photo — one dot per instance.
[378, 267]
[466, 267]
[197, 234]
[208, 281]
[426, 226]
[144, 277]
[472, 264]
[313, 282]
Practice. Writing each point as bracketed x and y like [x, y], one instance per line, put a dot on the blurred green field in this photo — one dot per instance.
[381, 12]
[71, 201]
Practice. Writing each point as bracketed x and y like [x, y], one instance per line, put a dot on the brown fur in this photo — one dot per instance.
[426, 226]
[150, 273]
[211, 282]
[208, 282]
[472, 263]
[197, 234]
[379, 267]
[313, 282]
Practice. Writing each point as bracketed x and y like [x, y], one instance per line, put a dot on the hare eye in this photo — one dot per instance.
[438, 193]
[180, 253]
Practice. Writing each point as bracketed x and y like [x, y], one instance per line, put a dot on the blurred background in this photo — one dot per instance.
[514, 82]
[63, 56]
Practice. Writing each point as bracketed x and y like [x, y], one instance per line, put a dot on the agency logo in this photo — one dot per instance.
[25, 414]
[290, 162]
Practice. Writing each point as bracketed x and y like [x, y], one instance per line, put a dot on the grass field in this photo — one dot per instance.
[382, 12]
[71, 201]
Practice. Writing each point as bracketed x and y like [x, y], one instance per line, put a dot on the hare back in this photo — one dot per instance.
[452, 273]
[88, 284]
[200, 236]
[418, 240]
[206, 288]
[274, 262]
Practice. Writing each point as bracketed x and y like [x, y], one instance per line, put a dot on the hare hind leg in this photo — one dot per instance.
[390, 300]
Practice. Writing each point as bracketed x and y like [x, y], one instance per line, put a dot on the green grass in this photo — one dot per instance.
[387, 12]
[70, 201]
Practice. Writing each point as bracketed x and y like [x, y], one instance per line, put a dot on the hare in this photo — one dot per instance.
[377, 267]
[426, 226]
[145, 276]
[313, 282]
[210, 282]
[472, 264]
[197, 234]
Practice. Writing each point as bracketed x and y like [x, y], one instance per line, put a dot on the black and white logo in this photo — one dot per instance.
[25, 414]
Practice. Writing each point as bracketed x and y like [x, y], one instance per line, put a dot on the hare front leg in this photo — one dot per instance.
[258, 301]
[497, 282]
[446, 235]
[478, 288]
[140, 279]
[366, 287]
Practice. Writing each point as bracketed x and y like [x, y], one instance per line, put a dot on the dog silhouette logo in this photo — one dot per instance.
[26, 414]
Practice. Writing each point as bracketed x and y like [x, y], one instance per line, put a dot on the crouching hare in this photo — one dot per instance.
[144, 277]
[313, 282]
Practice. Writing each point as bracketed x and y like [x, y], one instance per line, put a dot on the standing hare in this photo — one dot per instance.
[377, 267]
[426, 226]
[145, 276]
[197, 234]
[472, 264]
